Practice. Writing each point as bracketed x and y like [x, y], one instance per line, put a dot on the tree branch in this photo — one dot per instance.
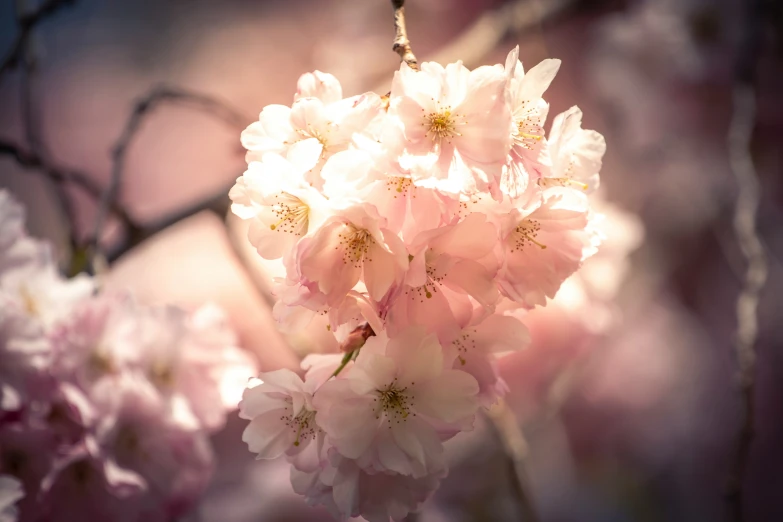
[402, 45]
[142, 108]
[27, 23]
[31, 160]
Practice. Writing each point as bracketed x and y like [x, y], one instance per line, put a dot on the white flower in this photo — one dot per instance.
[281, 205]
[575, 153]
[318, 124]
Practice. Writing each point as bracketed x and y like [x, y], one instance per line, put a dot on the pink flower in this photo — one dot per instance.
[453, 121]
[390, 410]
[575, 153]
[10, 492]
[98, 342]
[528, 111]
[281, 205]
[369, 174]
[281, 414]
[42, 293]
[543, 244]
[298, 298]
[348, 491]
[474, 348]
[143, 436]
[193, 362]
[451, 268]
[354, 245]
[84, 484]
[25, 353]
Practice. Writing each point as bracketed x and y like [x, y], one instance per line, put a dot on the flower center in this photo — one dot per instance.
[304, 425]
[463, 343]
[394, 402]
[525, 234]
[400, 184]
[528, 126]
[442, 123]
[162, 375]
[356, 244]
[292, 214]
[434, 280]
[100, 363]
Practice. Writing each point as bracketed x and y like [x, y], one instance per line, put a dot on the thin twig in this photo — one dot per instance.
[516, 449]
[755, 278]
[402, 45]
[484, 35]
[218, 202]
[143, 107]
[26, 24]
[32, 126]
[748, 197]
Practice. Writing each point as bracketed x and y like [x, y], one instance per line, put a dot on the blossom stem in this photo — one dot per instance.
[346, 359]
[402, 45]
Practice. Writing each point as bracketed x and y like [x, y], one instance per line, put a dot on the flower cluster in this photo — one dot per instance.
[106, 406]
[419, 223]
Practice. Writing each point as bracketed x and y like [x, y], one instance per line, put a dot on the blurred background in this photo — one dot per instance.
[628, 398]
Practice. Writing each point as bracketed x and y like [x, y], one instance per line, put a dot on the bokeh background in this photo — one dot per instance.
[632, 421]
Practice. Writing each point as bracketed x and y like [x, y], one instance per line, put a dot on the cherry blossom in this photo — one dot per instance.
[315, 127]
[348, 491]
[473, 350]
[543, 244]
[192, 360]
[388, 410]
[453, 120]
[575, 153]
[281, 413]
[281, 206]
[451, 267]
[528, 111]
[106, 405]
[353, 245]
[418, 231]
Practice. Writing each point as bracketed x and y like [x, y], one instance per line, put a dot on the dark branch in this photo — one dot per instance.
[31, 160]
[144, 107]
[28, 22]
[218, 203]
